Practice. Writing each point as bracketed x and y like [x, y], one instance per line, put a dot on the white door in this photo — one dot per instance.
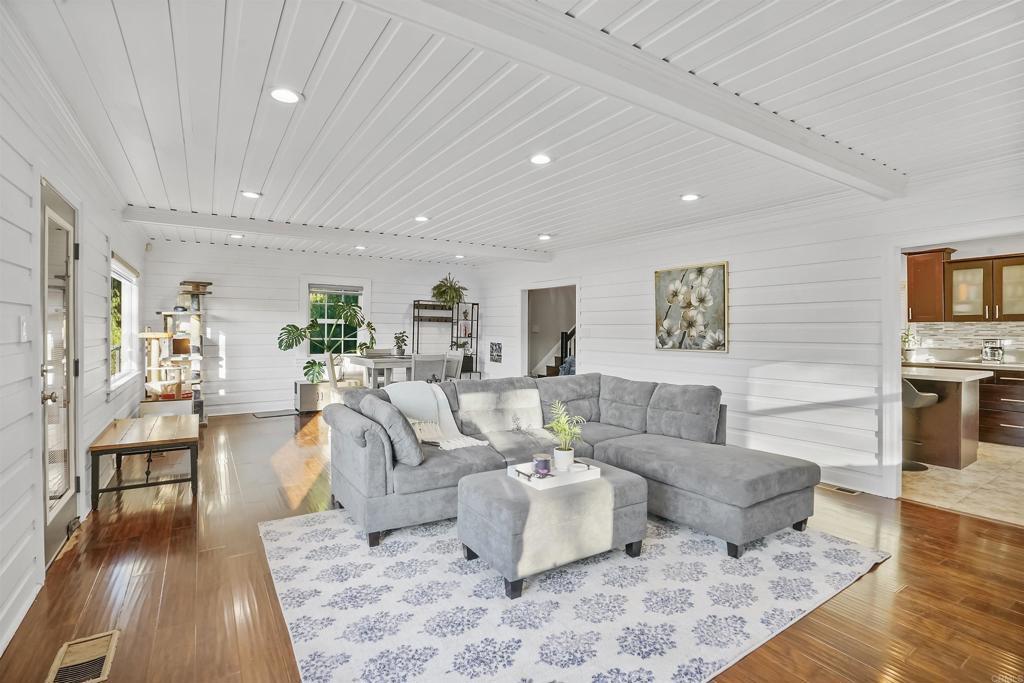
[58, 378]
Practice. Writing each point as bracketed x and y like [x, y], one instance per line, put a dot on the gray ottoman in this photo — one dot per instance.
[520, 531]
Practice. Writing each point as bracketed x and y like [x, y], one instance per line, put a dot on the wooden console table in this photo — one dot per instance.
[148, 435]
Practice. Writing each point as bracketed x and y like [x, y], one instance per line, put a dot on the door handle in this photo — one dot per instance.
[1012, 400]
[986, 311]
[910, 312]
[997, 311]
[49, 397]
[1013, 379]
[1011, 426]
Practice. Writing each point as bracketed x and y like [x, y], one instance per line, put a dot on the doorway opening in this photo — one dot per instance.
[58, 374]
[963, 376]
[551, 331]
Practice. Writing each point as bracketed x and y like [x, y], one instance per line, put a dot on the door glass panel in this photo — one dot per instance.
[1013, 290]
[55, 376]
[969, 291]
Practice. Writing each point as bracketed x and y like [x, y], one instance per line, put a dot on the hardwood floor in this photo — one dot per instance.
[189, 587]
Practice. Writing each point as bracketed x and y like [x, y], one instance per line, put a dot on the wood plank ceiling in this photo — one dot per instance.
[398, 121]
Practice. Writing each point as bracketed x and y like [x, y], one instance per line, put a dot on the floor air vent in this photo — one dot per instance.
[840, 489]
[86, 660]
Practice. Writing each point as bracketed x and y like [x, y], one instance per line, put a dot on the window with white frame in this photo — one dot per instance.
[332, 334]
[124, 321]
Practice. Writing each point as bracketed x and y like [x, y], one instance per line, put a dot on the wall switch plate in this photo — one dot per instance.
[22, 328]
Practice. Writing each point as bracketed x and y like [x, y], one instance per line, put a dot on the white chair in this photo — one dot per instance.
[427, 367]
[453, 364]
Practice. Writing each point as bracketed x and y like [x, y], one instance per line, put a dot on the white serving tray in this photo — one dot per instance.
[577, 473]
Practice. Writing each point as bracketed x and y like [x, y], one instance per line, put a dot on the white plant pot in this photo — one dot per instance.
[563, 459]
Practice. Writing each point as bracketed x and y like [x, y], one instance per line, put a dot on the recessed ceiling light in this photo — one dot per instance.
[422, 219]
[459, 256]
[540, 159]
[543, 237]
[360, 247]
[690, 197]
[237, 235]
[286, 95]
[250, 194]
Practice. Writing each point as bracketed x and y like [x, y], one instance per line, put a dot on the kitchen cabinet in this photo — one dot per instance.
[984, 289]
[969, 292]
[1008, 288]
[1002, 408]
[925, 285]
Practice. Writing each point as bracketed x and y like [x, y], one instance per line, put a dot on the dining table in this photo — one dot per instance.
[386, 364]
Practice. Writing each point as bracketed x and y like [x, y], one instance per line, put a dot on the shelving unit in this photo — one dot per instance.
[174, 356]
[466, 329]
[427, 311]
[464, 324]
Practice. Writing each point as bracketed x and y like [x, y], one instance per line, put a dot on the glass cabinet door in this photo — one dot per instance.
[969, 291]
[1008, 274]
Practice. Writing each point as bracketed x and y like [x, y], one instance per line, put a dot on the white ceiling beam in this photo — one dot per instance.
[534, 34]
[343, 237]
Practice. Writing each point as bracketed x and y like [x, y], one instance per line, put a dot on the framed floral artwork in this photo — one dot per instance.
[691, 307]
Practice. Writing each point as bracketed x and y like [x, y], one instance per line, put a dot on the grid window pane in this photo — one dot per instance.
[331, 334]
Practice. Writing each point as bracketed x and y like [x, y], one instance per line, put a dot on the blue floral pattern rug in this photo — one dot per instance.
[412, 609]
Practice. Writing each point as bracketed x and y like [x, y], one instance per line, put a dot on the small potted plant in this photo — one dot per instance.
[908, 342]
[568, 429]
[401, 339]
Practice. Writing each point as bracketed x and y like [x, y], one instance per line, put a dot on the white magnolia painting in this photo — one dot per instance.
[691, 307]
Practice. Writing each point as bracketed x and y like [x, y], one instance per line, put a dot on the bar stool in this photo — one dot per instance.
[915, 400]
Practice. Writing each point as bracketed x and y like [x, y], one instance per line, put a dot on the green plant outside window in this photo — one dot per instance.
[115, 326]
[332, 334]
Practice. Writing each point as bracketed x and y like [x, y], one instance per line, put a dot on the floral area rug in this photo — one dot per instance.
[412, 609]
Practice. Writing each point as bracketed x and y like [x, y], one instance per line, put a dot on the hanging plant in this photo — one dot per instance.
[448, 291]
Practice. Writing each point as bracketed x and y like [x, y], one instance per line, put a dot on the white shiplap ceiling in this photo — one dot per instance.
[400, 120]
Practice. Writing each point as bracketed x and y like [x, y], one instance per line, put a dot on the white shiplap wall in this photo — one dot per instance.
[256, 292]
[813, 310]
[38, 140]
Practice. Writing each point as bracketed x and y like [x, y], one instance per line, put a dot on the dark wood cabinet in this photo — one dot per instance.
[1008, 288]
[1002, 408]
[925, 285]
[966, 290]
[969, 293]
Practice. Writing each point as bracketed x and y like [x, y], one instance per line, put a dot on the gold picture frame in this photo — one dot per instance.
[691, 308]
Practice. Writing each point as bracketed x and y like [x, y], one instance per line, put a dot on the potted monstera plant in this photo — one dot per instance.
[314, 370]
[567, 429]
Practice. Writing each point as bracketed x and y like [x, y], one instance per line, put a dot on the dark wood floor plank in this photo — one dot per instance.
[188, 584]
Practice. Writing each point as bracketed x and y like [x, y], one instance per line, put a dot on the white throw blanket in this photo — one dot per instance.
[425, 402]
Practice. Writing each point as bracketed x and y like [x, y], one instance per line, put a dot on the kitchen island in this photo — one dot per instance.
[946, 433]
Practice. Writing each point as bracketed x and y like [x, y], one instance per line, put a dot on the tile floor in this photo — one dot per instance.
[992, 487]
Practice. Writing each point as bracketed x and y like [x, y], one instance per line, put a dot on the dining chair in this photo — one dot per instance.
[427, 367]
[453, 364]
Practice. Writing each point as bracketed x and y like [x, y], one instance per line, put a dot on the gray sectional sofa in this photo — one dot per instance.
[672, 435]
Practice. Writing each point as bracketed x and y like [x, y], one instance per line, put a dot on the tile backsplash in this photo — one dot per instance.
[968, 335]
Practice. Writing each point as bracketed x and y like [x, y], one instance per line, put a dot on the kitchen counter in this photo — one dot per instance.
[965, 364]
[946, 432]
[945, 374]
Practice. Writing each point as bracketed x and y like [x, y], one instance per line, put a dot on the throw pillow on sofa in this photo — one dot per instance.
[353, 397]
[404, 443]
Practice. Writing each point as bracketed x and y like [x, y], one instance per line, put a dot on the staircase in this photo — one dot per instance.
[566, 348]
